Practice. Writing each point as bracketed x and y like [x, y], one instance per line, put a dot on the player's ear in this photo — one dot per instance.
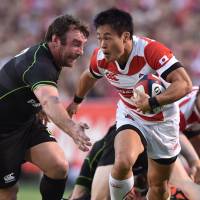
[126, 36]
[56, 40]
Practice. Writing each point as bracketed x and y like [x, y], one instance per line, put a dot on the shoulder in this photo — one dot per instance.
[98, 59]
[97, 55]
[149, 45]
[157, 54]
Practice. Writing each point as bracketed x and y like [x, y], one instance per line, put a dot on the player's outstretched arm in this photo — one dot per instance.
[86, 82]
[49, 100]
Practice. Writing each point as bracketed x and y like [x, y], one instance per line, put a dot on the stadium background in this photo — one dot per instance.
[24, 22]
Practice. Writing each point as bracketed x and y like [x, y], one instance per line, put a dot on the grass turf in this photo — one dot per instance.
[31, 192]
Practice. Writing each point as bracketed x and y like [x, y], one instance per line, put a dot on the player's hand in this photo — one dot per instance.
[140, 100]
[133, 195]
[79, 136]
[195, 172]
[72, 108]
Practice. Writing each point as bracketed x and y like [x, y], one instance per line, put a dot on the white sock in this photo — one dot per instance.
[119, 188]
[166, 199]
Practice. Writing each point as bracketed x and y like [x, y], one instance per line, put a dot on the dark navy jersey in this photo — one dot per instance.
[19, 77]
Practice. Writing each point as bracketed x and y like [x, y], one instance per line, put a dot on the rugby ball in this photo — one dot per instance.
[151, 85]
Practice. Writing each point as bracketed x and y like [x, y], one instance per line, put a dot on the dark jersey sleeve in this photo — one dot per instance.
[41, 72]
[90, 164]
[92, 161]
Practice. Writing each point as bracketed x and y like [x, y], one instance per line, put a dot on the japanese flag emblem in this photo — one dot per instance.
[163, 60]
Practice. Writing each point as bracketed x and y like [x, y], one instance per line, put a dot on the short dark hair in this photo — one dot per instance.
[62, 24]
[119, 20]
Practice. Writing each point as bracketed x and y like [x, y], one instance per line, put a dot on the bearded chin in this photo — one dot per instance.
[69, 64]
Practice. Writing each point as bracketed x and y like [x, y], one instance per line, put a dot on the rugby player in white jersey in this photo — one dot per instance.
[122, 58]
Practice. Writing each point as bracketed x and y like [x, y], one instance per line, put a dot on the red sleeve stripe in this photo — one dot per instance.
[184, 102]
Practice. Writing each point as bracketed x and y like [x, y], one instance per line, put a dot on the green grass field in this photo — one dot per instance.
[30, 192]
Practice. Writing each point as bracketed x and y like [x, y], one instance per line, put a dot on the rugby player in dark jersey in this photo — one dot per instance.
[28, 83]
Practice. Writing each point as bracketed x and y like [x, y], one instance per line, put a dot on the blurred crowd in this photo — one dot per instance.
[173, 22]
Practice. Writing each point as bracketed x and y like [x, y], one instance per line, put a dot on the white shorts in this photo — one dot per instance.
[162, 138]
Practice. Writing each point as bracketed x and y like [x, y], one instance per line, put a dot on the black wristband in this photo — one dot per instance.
[153, 103]
[78, 99]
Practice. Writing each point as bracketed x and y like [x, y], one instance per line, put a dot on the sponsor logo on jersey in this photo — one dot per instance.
[34, 103]
[115, 185]
[129, 117]
[9, 178]
[140, 75]
[112, 76]
[125, 92]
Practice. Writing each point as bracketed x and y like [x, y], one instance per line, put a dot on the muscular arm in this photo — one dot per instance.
[180, 86]
[192, 158]
[188, 150]
[49, 99]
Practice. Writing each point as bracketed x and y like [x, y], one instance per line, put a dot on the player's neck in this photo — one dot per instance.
[127, 51]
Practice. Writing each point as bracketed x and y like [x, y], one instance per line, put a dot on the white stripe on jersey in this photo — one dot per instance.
[167, 65]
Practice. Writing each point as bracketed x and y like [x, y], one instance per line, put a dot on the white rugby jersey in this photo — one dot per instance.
[147, 56]
[189, 114]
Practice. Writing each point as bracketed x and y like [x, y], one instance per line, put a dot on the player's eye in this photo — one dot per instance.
[107, 38]
[76, 43]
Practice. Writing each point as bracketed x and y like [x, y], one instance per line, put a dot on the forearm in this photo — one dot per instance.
[49, 100]
[57, 113]
[188, 151]
[173, 93]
